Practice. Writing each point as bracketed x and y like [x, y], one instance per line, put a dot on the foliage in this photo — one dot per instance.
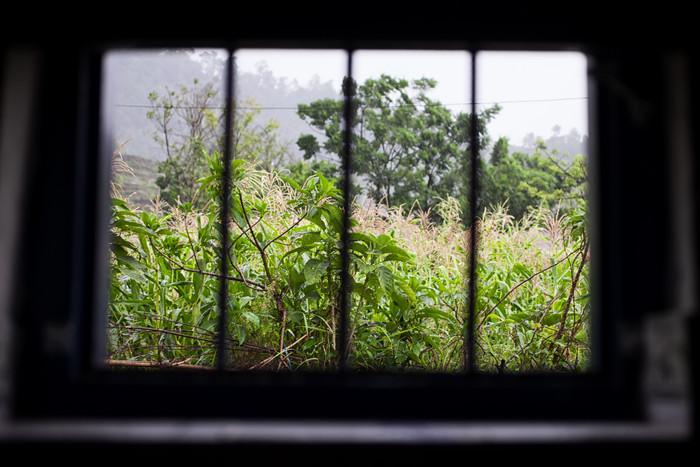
[189, 125]
[407, 290]
[301, 170]
[186, 127]
[279, 278]
[534, 292]
[524, 182]
[407, 147]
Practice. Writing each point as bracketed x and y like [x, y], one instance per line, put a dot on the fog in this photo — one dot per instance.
[537, 91]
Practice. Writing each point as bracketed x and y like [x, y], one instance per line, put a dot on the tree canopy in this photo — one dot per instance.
[407, 148]
[522, 181]
[189, 125]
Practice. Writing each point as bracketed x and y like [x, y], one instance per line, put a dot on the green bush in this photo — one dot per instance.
[407, 290]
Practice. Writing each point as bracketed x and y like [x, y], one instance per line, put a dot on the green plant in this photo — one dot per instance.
[534, 300]
[407, 292]
[406, 146]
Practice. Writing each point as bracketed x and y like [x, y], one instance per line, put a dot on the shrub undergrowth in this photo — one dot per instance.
[407, 291]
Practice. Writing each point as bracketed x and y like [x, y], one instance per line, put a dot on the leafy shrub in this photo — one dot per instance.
[407, 290]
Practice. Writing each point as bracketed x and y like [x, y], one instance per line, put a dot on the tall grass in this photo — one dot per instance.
[532, 311]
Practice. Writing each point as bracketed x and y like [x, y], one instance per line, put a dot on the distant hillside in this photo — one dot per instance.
[133, 76]
[140, 189]
[570, 144]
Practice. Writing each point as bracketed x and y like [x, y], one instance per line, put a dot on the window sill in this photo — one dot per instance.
[668, 422]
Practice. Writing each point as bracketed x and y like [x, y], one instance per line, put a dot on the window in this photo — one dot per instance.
[407, 304]
[351, 336]
[70, 332]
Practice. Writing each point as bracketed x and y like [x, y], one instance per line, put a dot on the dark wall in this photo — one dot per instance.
[631, 49]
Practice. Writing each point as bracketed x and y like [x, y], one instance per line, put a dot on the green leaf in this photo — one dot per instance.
[131, 262]
[120, 203]
[175, 284]
[519, 268]
[290, 182]
[241, 333]
[309, 238]
[396, 258]
[139, 229]
[131, 302]
[395, 251]
[252, 317]
[400, 300]
[359, 236]
[519, 316]
[552, 319]
[435, 313]
[407, 290]
[316, 219]
[314, 269]
[494, 318]
[335, 217]
[324, 182]
[383, 240]
[134, 275]
[386, 278]
[300, 249]
[359, 247]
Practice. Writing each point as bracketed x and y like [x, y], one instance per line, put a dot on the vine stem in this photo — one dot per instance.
[177, 265]
[212, 340]
[131, 363]
[269, 359]
[572, 292]
[525, 282]
[279, 301]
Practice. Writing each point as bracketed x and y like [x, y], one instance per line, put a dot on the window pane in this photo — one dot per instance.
[409, 256]
[286, 216]
[533, 310]
[410, 210]
[164, 114]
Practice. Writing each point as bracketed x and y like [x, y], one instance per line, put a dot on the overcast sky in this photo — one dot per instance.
[535, 90]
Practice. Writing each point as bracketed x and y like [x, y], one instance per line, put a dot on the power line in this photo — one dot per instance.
[514, 101]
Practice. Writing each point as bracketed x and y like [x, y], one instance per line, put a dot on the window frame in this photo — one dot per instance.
[57, 383]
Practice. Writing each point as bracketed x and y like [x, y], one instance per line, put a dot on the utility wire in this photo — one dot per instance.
[516, 101]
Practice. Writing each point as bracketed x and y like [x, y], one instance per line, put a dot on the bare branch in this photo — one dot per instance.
[176, 265]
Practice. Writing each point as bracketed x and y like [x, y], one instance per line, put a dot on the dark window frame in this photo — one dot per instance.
[59, 381]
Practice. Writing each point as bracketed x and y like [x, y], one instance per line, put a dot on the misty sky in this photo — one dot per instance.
[535, 90]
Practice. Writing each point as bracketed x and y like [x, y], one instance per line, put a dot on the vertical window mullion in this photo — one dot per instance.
[224, 213]
[473, 193]
[348, 96]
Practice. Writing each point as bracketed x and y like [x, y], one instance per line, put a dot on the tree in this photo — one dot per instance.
[257, 142]
[406, 147]
[524, 181]
[499, 151]
[189, 125]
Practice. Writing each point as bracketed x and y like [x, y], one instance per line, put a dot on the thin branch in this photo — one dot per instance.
[253, 239]
[569, 300]
[297, 222]
[526, 281]
[130, 363]
[189, 238]
[256, 285]
[165, 331]
[245, 346]
[269, 359]
[556, 163]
